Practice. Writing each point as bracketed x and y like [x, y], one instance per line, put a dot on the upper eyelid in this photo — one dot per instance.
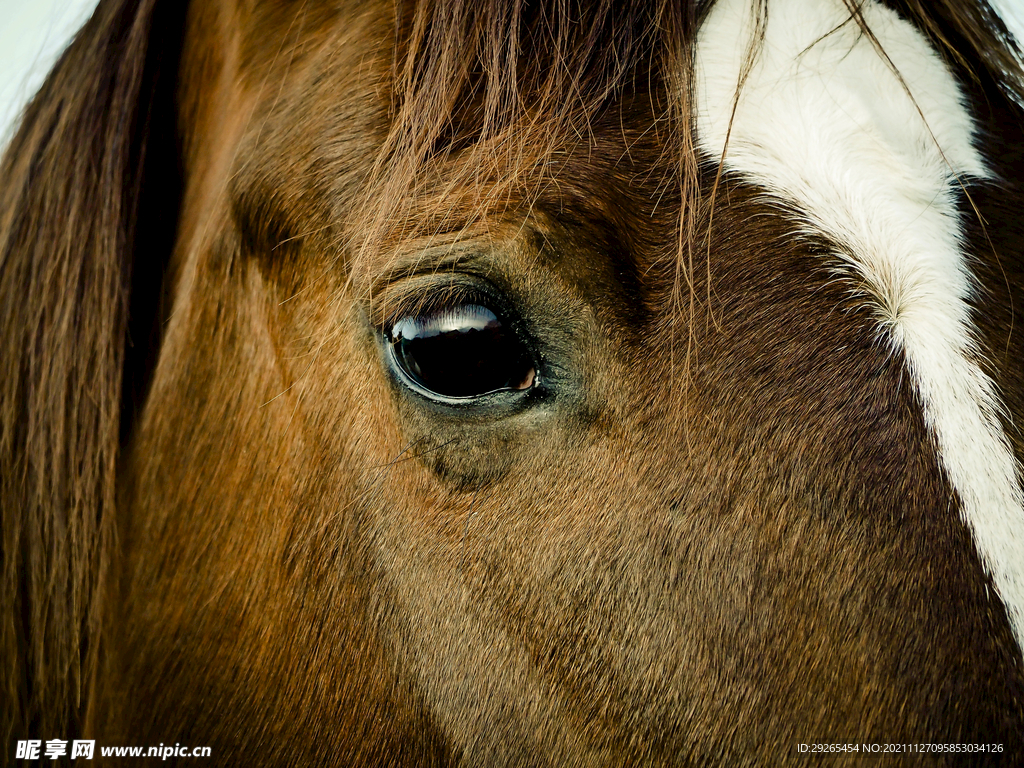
[434, 259]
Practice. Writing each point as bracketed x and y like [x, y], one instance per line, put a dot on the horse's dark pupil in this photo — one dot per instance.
[461, 352]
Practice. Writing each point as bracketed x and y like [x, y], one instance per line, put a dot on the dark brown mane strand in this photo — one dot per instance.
[72, 189]
[973, 37]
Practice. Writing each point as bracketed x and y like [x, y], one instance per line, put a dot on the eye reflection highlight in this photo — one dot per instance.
[463, 351]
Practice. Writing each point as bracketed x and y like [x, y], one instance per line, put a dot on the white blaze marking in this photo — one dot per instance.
[823, 122]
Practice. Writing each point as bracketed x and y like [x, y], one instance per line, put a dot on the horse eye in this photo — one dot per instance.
[463, 351]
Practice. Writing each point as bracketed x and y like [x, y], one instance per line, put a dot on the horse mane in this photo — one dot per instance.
[75, 209]
[88, 187]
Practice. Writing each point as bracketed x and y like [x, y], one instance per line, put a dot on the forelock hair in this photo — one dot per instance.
[483, 95]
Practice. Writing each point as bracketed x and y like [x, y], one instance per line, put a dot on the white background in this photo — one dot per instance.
[32, 35]
[34, 32]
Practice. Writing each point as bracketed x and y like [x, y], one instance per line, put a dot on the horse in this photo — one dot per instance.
[515, 383]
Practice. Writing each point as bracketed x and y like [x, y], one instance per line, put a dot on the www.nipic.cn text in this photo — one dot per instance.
[85, 749]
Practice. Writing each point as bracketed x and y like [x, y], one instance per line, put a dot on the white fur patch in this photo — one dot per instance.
[824, 123]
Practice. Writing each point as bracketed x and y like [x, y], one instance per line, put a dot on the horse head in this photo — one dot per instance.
[516, 384]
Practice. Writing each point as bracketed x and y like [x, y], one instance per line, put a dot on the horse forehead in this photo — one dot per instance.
[870, 142]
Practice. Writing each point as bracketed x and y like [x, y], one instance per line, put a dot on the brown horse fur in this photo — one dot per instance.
[721, 530]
